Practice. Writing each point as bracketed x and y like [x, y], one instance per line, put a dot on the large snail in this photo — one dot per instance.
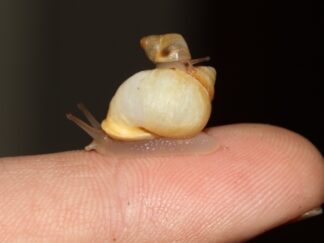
[160, 111]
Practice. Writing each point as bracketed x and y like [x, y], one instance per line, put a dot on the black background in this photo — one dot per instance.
[54, 54]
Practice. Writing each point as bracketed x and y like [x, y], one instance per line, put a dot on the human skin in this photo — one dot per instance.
[261, 177]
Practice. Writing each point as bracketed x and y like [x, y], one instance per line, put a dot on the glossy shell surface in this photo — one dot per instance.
[161, 102]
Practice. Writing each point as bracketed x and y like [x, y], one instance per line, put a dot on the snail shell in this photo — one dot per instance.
[163, 102]
[169, 103]
[165, 48]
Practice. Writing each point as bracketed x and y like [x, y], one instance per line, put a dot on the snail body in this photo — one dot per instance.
[170, 104]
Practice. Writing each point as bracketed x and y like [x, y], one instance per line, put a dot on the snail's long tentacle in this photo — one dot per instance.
[101, 142]
[199, 60]
[96, 134]
[93, 121]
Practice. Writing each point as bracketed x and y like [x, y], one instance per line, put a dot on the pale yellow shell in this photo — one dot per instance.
[163, 102]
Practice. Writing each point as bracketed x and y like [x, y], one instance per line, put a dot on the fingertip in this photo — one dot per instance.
[291, 147]
[287, 170]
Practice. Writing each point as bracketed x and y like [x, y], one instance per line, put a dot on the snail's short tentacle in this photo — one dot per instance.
[93, 121]
[190, 63]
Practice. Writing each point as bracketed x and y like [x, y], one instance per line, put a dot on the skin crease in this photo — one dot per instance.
[263, 176]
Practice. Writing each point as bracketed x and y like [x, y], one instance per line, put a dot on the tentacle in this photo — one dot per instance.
[199, 60]
[93, 121]
[95, 133]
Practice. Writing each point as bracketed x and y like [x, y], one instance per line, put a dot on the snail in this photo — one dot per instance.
[161, 111]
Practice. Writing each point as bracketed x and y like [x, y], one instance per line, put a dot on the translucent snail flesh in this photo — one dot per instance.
[160, 111]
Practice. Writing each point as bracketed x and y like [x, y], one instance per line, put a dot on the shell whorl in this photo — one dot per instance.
[165, 48]
[158, 103]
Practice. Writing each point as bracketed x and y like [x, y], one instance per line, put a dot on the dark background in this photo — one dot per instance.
[54, 54]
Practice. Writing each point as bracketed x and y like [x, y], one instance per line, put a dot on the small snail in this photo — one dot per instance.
[160, 111]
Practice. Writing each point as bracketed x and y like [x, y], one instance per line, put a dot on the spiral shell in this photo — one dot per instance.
[171, 103]
[163, 102]
[165, 48]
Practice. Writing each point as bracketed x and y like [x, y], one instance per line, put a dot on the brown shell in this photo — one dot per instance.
[165, 48]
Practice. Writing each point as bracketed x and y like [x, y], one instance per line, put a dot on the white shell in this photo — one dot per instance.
[160, 102]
